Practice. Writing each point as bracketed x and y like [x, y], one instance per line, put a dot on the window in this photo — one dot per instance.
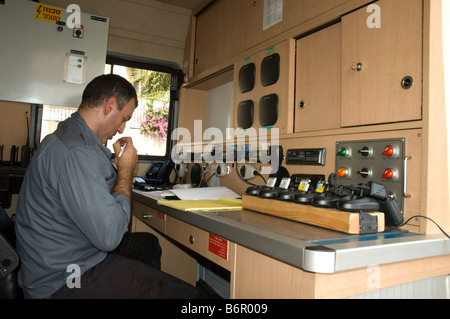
[152, 120]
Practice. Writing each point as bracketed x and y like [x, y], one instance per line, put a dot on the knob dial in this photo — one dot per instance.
[365, 172]
[365, 151]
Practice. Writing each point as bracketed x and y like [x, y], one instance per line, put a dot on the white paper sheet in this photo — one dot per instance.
[273, 13]
[215, 193]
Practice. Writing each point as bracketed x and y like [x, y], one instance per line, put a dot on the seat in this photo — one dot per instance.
[9, 259]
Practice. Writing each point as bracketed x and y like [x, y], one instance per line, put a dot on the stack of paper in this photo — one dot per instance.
[205, 199]
[200, 193]
[204, 204]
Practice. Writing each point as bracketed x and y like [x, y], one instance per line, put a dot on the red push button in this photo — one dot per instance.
[388, 174]
[388, 151]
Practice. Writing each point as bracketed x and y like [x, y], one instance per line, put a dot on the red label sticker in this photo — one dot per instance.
[161, 216]
[218, 246]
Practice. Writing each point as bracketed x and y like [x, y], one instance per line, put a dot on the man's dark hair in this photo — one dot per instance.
[105, 86]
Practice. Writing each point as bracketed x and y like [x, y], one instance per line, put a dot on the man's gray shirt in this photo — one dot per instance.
[66, 213]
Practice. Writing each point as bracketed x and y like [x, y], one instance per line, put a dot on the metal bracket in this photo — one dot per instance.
[368, 224]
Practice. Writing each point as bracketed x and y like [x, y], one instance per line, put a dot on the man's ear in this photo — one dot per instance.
[110, 105]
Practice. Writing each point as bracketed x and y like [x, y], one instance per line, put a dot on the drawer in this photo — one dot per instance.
[150, 216]
[210, 246]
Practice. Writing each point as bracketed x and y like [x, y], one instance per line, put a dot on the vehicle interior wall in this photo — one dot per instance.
[148, 29]
[156, 30]
[425, 133]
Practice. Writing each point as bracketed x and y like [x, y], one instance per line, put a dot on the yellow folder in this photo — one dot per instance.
[204, 204]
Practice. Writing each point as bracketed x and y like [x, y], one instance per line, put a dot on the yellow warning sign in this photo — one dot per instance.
[47, 13]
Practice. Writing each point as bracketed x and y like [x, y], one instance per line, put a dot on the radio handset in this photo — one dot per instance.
[25, 157]
[13, 157]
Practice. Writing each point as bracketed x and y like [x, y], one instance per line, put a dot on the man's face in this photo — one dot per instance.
[117, 120]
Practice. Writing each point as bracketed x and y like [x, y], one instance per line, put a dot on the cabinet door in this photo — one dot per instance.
[375, 60]
[220, 33]
[318, 78]
[283, 87]
[215, 249]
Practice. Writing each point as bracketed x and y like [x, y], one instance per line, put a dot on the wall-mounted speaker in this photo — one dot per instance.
[245, 114]
[270, 70]
[268, 110]
[247, 78]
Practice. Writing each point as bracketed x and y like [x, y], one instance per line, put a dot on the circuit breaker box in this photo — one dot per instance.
[49, 54]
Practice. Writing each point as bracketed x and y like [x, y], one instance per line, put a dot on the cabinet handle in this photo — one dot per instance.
[301, 104]
[191, 239]
[357, 66]
[146, 216]
[407, 82]
[405, 172]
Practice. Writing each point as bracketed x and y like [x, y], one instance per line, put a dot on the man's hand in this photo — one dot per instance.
[126, 164]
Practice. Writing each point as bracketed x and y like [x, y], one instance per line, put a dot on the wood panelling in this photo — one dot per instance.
[174, 260]
[387, 55]
[229, 27]
[261, 277]
[192, 107]
[318, 81]
[197, 240]
[283, 88]
[436, 130]
[13, 126]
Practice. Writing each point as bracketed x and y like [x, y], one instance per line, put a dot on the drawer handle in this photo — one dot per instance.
[146, 216]
[191, 239]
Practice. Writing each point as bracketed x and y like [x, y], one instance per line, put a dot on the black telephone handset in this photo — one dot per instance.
[159, 172]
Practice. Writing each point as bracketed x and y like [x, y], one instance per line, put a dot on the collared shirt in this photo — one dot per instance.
[66, 213]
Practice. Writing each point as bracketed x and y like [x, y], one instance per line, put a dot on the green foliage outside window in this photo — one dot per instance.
[155, 88]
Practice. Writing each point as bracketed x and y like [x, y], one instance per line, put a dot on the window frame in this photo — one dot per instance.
[176, 81]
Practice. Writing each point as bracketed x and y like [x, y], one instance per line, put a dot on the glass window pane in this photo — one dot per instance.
[51, 116]
[149, 124]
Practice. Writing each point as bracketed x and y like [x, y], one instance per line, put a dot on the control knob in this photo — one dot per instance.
[365, 151]
[365, 172]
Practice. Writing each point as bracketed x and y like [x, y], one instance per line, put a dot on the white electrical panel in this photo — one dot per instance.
[49, 54]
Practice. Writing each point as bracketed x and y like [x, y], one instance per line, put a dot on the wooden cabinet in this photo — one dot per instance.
[365, 70]
[381, 47]
[318, 81]
[226, 28]
[174, 260]
[220, 33]
[150, 216]
[283, 87]
[216, 249]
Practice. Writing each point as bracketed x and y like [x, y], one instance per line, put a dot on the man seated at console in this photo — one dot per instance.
[74, 209]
